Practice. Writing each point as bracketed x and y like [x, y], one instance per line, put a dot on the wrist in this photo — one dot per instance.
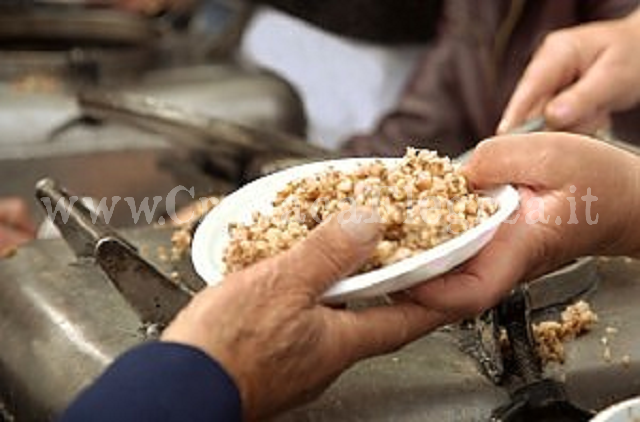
[628, 231]
[192, 328]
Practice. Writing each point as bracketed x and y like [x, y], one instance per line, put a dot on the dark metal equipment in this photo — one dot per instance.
[539, 398]
[192, 128]
[480, 337]
[79, 45]
[70, 306]
[154, 297]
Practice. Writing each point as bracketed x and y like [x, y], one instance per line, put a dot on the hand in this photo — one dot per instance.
[265, 324]
[579, 77]
[16, 227]
[545, 166]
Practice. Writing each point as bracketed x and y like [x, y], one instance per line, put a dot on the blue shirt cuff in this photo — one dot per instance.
[160, 382]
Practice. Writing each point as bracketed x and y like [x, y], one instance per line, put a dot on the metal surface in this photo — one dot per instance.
[134, 173]
[105, 46]
[539, 398]
[542, 400]
[153, 296]
[429, 380]
[514, 314]
[229, 91]
[189, 127]
[598, 374]
[79, 26]
[480, 339]
[564, 286]
[74, 68]
[61, 325]
[65, 322]
[433, 380]
[81, 229]
[110, 159]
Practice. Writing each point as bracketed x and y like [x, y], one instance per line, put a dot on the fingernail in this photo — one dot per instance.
[503, 127]
[362, 225]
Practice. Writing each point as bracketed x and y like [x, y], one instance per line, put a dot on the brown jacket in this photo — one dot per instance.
[459, 90]
[379, 21]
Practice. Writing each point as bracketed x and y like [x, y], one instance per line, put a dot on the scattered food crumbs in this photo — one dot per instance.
[175, 276]
[578, 318]
[181, 238]
[194, 212]
[152, 330]
[162, 254]
[395, 359]
[549, 336]
[180, 241]
[604, 341]
[144, 249]
[611, 330]
[606, 354]
[627, 260]
[626, 361]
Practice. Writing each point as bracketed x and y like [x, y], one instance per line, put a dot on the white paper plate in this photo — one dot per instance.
[212, 237]
[626, 411]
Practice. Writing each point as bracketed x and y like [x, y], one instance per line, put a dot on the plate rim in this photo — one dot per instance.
[204, 266]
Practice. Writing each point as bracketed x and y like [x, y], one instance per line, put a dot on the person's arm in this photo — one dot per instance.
[551, 171]
[160, 382]
[580, 76]
[267, 328]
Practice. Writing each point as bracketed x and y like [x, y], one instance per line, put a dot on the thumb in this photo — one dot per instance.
[506, 159]
[335, 249]
[536, 160]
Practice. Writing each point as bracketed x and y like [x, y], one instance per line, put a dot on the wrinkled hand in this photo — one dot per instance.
[545, 166]
[579, 76]
[16, 227]
[265, 324]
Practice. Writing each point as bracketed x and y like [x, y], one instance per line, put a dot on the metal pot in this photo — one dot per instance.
[76, 45]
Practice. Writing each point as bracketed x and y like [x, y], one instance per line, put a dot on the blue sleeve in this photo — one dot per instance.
[159, 382]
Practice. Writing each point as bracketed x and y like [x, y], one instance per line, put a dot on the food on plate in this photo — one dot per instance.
[189, 217]
[422, 201]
